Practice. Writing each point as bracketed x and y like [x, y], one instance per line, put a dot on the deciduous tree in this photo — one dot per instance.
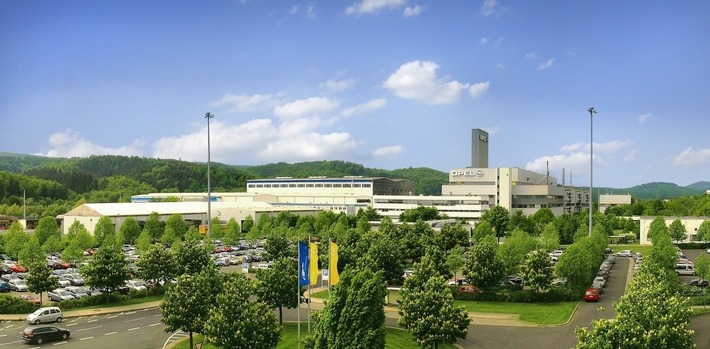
[484, 268]
[157, 265]
[277, 285]
[677, 231]
[39, 279]
[187, 304]
[536, 271]
[130, 230]
[108, 269]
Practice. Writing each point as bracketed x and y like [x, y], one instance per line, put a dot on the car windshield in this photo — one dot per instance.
[38, 311]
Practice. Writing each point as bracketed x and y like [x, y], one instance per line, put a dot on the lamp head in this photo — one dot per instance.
[592, 110]
[209, 116]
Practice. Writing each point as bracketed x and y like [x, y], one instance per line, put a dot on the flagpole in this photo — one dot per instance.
[309, 288]
[298, 292]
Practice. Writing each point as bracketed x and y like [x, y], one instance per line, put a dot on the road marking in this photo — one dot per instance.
[140, 318]
[14, 343]
[60, 343]
[88, 328]
[110, 333]
[85, 338]
[93, 320]
[135, 328]
[159, 323]
[130, 312]
[74, 324]
[3, 335]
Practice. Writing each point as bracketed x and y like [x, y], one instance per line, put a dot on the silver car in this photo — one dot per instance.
[46, 314]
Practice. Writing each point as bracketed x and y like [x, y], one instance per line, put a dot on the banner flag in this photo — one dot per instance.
[303, 263]
[334, 276]
[313, 265]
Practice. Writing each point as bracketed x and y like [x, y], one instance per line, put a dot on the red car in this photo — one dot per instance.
[469, 289]
[17, 269]
[592, 295]
[30, 298]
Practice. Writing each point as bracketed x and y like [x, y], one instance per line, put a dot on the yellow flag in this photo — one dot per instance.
[313, 267]
[333, 265]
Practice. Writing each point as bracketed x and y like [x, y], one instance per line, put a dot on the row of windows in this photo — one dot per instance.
[312, 185]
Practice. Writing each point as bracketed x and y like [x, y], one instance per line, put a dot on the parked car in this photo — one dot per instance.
[44, 315]
[4, 286]
[469, 289]
[41, 334]
[18, 285]
[598, 285]
[74, 279]
[684, 269]
[702, 283]
[592, 295]
[625, 253]
[136, 285]
[31, 298]
[8, 277]
[63, 282]
[78, 291]
[59, 294]
[458, 282]
[409, 272]
[601, 280]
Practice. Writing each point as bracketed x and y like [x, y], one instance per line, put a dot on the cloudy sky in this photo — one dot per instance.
[384, 83]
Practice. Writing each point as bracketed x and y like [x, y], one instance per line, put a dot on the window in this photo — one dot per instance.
[337, 185]
[328, 185]
[319, 185]
[309, 185]
[292, 185]
[284, 185]
[367, 185]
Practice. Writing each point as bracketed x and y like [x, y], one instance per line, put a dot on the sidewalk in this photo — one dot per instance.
[89, 312]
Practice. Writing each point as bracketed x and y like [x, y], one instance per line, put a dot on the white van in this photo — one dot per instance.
[45, 314]
[684, 269]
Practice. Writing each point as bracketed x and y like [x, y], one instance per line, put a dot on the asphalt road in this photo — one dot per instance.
[140, 329]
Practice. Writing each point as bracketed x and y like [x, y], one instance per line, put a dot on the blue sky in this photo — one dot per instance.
[384, 83]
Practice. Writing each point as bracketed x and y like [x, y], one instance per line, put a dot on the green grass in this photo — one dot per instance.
[139, 300]
[537, 313]
[319, 295]
[395, 338]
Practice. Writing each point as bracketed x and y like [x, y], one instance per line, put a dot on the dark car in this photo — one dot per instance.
[4, 286]
[41, 334]
[699, 283]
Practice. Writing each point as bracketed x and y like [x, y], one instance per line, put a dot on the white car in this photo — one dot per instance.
[18, 285]
[600, 280]
[625, 253]
[136, 285]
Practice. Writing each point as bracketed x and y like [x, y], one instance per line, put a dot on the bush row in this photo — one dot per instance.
[519, 295]
[15, 305]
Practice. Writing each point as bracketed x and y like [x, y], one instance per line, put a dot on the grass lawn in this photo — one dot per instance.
[395, 339]
[319, 295]
[537, 313]
[139, 300]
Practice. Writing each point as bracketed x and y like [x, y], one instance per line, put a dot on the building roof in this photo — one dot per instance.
[140, 209]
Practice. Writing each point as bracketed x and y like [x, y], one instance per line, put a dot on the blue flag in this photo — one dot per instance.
[303, 264]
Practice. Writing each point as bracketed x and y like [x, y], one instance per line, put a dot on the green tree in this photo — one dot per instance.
[31, 252]
[46, 227]
[537, 271]
[276, 285]
[452, 236]
[238, 322]
[233, 232]
[83, 240]
[168, 237]
[73, 253]
[192, 258]
[512, 253]
[421, 212]
[482, 230]
[429, 314]
[157, 265]
[193, 234]
[186, 305]
[483, 266]
[216, 231]
[40, 278]
[144, 242]
[53, 244]
[658, 225]
[518, 220]
[15, 240]
[104, 228]
[108, 270]
[248, 223]
[702, 266]
[383, 254]
[354, 317]
[130, 230]
[577, 265]
[704, 231]
[277, 246]
[154, 226]
[541, 218]
[549, 239]
[677, 231]
[177, 223]
[456, 260]
[497, 217]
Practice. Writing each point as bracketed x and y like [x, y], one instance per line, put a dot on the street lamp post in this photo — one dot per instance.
[591, 163]
[208, 116]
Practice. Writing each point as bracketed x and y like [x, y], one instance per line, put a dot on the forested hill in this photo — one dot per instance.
[82, 175]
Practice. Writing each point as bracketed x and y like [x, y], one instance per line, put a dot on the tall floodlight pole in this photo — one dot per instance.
[591, 163]
[209, 116]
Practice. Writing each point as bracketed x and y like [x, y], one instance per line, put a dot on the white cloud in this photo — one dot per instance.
[373, 6]
[308, 10]
[691, 158]
[244, 103]
[370, 105]
[611, 147]
[492, 130]
[309, 146]
[531, 55]
[500, 66]
[476, 89]
[577, 163]
[387, 151]
[306, 107]
[488, 8]
[630, 156]
[339, 85]
[643, 118]
[483, 41]
[546, 64]
[418, 81]
[413, 11]
[572, 147]
[70, 144]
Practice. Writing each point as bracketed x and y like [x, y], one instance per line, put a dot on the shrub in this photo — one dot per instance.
[99, 299]
[15, 305]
